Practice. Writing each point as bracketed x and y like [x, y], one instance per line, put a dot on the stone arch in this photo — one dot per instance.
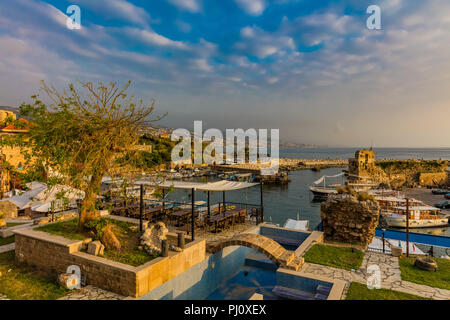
[272, 249]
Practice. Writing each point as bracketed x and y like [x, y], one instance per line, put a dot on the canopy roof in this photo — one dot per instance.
[223, 185]
[45, 194]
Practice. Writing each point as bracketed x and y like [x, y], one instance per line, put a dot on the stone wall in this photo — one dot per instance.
[345, 219]
[53, 254]
[9, 209]
[430, 179]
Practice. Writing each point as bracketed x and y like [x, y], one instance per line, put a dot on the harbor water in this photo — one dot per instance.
[282, 202]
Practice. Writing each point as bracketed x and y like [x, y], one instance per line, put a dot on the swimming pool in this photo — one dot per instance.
[238, 272]
[246, 282]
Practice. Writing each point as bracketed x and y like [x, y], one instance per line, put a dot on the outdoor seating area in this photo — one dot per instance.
[198, 216]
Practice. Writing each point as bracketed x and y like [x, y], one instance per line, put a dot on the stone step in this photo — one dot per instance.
[296, 263]
[286, 257]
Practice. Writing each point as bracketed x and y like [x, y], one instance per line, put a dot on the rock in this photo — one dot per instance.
[104, 213]
[175, 248]
[69, 281]
[345, 219]
[396, 251]
[152, 237]
[109, 239]
[426, 263]
[96, 248]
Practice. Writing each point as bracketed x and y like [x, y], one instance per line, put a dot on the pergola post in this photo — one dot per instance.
[192, 217]
[141, 207]
[224, 205]
[407, 227]
[262, 201]
[209, 205]
[163, 196]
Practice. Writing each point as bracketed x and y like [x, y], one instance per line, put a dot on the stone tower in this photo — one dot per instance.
[362, 166]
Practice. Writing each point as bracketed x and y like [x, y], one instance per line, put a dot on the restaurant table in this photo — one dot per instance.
[180, 215]
[224, 217]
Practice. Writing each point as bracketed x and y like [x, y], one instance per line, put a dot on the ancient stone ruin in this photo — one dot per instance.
[345, 219]
[152, 238]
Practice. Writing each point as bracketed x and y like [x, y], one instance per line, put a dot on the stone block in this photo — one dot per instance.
[95, 248]
[396, 251]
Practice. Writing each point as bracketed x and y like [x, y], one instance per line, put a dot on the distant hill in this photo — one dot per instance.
[286, 144]
[13, 109]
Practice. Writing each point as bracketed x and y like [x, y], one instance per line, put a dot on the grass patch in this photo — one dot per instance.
[438, 279]
[13, 224]
[26, 283]
[358, 291]
[127, 233]
[67, 229]
[337, 257]
[5, 241]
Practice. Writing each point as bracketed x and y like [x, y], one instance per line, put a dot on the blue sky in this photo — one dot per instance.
[310, 68]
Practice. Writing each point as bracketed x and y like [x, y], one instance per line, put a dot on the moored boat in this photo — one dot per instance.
[419, 217]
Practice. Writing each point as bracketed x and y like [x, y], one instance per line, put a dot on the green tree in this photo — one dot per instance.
[79, 132]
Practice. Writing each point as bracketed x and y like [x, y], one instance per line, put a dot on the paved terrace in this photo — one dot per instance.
[390, 273]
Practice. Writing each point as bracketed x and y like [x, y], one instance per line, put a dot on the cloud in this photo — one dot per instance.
[262, 44]
[188, 5]
[151, 38]
[252, 7]
[117, 9]
[322, 66]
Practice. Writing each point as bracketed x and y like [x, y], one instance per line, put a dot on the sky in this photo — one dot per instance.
[309, 68]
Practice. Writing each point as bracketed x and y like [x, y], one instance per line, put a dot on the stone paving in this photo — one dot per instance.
[7, 247]
[390, 276]
[92, 293]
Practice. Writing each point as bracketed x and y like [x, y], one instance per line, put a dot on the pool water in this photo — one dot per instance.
[244, 283]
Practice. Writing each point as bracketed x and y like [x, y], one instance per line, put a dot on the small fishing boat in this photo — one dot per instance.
[419, 217]
[321, 190]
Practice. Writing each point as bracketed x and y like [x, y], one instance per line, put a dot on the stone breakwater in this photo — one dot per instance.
[345, 219]
[298, 164]
[287, 164]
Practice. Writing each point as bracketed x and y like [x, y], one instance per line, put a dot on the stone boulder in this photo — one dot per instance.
[152, 237]
[109, 239]
[95, 248]
[69, 281]
[345, 219]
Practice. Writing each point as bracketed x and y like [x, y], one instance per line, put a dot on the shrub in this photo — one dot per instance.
[364, 196]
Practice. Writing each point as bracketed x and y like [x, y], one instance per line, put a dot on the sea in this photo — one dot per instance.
[380, 153]
[292, 201]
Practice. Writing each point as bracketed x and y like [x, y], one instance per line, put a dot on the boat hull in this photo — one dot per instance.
[322, 193]
[413, 223]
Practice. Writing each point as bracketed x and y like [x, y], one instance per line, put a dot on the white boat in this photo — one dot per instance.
[321, 190]
[419, 217]
[302, 225]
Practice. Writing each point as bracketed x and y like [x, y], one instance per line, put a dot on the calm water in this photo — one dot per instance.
[284, 202]
[380, 153]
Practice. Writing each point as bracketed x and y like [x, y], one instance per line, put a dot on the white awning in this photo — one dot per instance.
[223, 185]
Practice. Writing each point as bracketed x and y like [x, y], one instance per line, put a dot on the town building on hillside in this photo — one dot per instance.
[12, 155]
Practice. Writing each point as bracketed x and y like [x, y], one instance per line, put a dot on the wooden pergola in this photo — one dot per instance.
[218, 186]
